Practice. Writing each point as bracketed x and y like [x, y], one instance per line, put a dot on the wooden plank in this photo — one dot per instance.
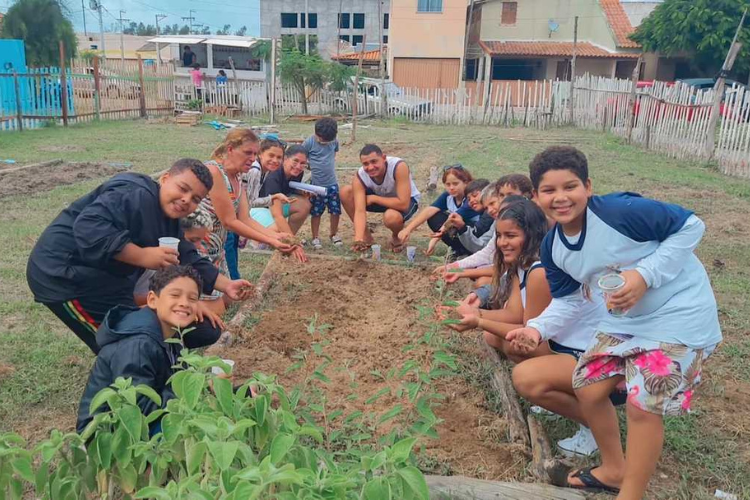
[465, 488]
[501, 382]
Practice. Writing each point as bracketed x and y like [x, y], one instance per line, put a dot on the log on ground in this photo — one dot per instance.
[465, 488]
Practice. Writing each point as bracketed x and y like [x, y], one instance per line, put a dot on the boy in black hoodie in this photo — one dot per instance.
[132, 339]
[89, 258]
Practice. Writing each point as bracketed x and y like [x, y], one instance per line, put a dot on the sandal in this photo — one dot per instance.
[591, 483]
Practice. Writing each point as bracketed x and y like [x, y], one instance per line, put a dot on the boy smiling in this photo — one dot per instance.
[669, 328]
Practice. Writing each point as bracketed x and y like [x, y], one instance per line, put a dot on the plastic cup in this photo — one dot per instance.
[376, 252]
[609, 285]
[217, 370]
[169, 242]
[411, 253]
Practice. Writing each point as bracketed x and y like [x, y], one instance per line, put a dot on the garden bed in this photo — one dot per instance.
[357, 336]
[39, 177]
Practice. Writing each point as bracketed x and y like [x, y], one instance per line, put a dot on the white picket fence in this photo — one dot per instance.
[670, 118]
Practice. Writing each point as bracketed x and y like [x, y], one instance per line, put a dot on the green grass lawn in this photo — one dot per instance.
[43, 366]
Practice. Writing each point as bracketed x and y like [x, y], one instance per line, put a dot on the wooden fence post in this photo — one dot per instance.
[142, 93]
[97, 89]
[19, 111]
[63, 85]
[632, 98]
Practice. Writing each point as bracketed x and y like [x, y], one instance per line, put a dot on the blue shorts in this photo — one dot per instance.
[264, 217]
[332, 200]
[408, 214]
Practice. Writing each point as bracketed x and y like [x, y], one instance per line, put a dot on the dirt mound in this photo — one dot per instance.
[48, 175]
[369, 321]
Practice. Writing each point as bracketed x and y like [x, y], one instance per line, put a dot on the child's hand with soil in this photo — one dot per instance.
[524, 340]
[360, 246]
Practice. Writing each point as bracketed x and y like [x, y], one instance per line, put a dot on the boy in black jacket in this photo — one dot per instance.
[89, 259]
[132, 339]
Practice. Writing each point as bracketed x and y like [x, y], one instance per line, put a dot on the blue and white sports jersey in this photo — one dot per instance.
[625, 231]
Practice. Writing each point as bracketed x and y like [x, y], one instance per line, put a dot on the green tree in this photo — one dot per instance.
[241, 32]
[226, 30]
[185, 30]
[702, 28]
[206, 30]
[311, 72]
[41, 24]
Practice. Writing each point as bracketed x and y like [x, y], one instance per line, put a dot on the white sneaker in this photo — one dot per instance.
[582, 443]
[336, 240]
[317, 245]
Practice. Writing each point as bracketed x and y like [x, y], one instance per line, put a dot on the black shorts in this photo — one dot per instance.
[408, 214]
[617, 397]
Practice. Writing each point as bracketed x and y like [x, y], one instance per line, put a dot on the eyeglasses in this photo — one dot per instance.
[457, 166]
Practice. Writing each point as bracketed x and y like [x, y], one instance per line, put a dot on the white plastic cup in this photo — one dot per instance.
[609, 285]
[217, 370]
[376, 252]
[411, 253]
[169, 242]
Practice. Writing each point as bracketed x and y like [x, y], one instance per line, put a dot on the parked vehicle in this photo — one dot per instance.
[729, 86]
[398, 102]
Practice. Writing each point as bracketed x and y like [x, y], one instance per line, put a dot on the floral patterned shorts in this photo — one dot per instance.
[660, 377]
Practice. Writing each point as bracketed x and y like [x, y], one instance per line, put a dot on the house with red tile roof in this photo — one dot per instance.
[533, 40]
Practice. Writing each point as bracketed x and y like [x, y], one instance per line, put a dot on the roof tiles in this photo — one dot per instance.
[370, 55]
[619, 22]
[551, 49]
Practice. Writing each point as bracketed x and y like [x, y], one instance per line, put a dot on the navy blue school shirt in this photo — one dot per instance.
[74, 256]
[276, 182]
[446, 203]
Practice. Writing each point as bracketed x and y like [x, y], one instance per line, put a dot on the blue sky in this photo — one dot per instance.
[214, 13]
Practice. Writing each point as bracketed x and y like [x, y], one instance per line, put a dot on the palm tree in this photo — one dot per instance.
[41, 24]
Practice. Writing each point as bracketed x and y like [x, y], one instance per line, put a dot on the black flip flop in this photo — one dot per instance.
[591, 483]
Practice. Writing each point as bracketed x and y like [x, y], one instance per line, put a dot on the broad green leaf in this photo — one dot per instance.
[100, 398]
[104, 449]
[129, 395]
[132, 419]
[16, 489]
[353, 416]
[261, 407]
[153, 492]
[280, 446]
[376, 489]
[22, 466]
[414, 481]
[223, 453]
[322, 377]
[242, 425]
[244, 490]
[312, 431]
[172, 426]
[401, 450]
[120, 443]
[451, 322]
[224, 395]
[392, 413]
[128, 478]
[149, 393]
[194, 458]
[41, 479]
[192, 387]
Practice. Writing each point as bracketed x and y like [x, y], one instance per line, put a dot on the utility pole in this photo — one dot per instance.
[122, 42]
[83, 10]
[462, 76]
[158, 18]
[307, 27]
[97, 6]
[190, 18]
[382, 61]
[571, 102]
[713, 120]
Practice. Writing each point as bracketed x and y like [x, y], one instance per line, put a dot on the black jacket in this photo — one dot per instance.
[132, 345]
[74, 256]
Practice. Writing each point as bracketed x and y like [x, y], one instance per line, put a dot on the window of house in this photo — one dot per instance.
[357, 40]
[359, 21]
[344, 38]
[386, 21]
[289, 19]
[472, 66]
[429, 5]
[385, 38]
[509, 13]
[344, 20]
[243, 58]
[312, 18]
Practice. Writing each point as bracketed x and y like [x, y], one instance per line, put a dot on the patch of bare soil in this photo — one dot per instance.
[368, 324]
[63, 148]
[6, 370]
[47, 176]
